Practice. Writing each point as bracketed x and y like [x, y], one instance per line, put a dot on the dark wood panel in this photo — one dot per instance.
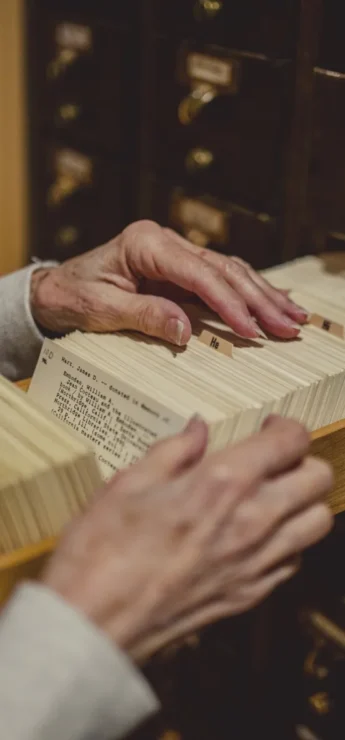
[242, 129]
[267, 26]
[224, 226]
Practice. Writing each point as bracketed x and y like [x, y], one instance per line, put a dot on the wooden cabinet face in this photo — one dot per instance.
[81, 201]
[209, 222]
[219, 122]
[266, 27]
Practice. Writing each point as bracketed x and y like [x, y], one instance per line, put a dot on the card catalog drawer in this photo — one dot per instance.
[208, 222]
[267, 26]
[82, 201]
[219, 122]
[83, 78]
[326, 215]
[331, 49]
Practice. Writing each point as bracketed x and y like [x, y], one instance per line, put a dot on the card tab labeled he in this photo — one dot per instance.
[215, 342]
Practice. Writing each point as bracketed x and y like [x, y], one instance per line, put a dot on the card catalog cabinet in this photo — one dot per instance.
[83, 105]
[223, 119]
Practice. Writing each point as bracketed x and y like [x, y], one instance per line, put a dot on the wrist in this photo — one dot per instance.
[45, 302]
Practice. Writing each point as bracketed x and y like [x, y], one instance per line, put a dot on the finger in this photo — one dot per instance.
[188, 271]
[277, 296]
[273, 309]
[295, 490]
[295, 536]
[218, 608]
[239, 468]
[151, 315]
[164, 460]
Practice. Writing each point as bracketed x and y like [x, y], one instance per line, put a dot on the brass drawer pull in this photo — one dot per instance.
[199, 159]
[327, 628]
[63, 187]
[201, 95]
[69, 112]
[62, 61]
[208, 8]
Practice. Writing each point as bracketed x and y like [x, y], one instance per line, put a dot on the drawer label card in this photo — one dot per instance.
[337, 330]
[74, 36]
[216, 343]
[191, 213]
[73, 163]
[220, 72]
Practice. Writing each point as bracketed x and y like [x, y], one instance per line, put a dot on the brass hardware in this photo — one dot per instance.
[311, 667]
[320, 702]
[62, 188]
[209, 8]
[199, 159]
[67, 235]
[64, 59]
[171, 735]
[189, 108]
[69, 112]
[328, 629]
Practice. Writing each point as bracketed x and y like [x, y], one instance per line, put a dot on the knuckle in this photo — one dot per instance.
[147, 318]
[248, 522]
[323, 474]
[288, 431]
[235, 268]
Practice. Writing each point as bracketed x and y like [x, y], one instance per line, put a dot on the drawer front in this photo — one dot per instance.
[211, 223]
[82, 201]
[326, 212]
[116, 11]
[219, 122]
[83, 78]
[332, 51]
[266, 26]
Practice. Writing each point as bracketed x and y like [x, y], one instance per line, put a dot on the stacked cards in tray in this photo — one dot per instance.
[47, 474]
[124, 391]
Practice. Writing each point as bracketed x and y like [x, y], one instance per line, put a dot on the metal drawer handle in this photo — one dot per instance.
[69, 112]
[63, 59]
[209, 8]
[199, 159]
[201, 95]
[62, 188]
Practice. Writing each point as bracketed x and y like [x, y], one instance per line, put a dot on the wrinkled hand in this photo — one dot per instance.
[178, 540]
[107, 289]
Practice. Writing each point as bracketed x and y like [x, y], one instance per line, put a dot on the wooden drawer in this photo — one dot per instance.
[83, 200]
[220, 121]
[326, 213]
[221, 225]
[267, 26]
[83, 78]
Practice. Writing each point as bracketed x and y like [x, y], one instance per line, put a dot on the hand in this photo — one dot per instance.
[178, 540]
[106, 289]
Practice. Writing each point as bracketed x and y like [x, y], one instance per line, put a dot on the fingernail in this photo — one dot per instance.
[291, 325]
[174, 331]
[254, 327]
[193, 422]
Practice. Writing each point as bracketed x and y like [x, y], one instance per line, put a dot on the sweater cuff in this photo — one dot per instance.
[62, 678]
[21, 340]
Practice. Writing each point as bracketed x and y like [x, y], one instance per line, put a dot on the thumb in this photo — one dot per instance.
[154, 316]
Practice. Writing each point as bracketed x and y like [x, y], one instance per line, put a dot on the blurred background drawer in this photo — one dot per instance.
[267, 26]
[326, 214]
[209, 222]
[332, 49]
[219, 120]
[82, 201]
[82, 76]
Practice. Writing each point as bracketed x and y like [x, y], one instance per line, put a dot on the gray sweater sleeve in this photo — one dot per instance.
[20, 339]
[61, 678]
